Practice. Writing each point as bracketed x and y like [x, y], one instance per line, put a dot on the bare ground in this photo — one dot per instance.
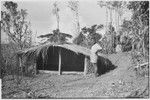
[119, 83]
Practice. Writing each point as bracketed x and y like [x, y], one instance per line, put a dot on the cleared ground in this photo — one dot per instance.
[124, 81]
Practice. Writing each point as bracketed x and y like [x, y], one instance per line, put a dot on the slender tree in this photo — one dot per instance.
[110, 31]
[119, 7]
[74, 6]
[104, 4]
[55, 11]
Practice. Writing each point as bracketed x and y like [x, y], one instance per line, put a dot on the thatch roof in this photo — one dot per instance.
[34, 51]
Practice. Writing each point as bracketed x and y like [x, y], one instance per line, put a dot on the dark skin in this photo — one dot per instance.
[95, 69]
[95, 64]
[98, 53]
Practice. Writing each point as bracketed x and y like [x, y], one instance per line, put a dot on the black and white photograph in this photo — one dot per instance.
[74, 49]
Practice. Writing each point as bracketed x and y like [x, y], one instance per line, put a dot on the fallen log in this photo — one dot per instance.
[139, 65]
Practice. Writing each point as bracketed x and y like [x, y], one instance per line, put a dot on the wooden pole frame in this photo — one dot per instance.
[85, 65]
[20, 65]
[59, 65]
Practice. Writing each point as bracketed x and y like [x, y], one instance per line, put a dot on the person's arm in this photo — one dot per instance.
[99, 53]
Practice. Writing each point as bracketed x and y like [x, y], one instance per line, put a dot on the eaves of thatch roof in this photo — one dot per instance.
[43, 48]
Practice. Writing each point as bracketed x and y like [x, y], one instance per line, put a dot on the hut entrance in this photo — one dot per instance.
[52, 61]
[70, 61]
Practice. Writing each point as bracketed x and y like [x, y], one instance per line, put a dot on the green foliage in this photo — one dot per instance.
[141, 11]
[138, 26]
[73, 5]
[17, 28]
[56, 37]
[14, 24]
[110, 40]
[88, 36]
[8, 59]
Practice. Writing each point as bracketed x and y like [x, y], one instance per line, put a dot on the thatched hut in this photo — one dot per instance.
[57, 57]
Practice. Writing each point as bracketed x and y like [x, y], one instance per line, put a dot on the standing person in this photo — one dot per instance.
[94, 51]
[94, 56]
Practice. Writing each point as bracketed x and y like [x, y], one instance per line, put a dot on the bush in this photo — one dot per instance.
[8, 58]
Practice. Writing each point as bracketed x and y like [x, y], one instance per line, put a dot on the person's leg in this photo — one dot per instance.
[95, 69]
[93, 58]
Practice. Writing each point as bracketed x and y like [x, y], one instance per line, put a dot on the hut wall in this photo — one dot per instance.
[52, 61]
[70, 60]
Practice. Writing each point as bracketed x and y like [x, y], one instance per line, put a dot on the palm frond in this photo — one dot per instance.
[46, 35]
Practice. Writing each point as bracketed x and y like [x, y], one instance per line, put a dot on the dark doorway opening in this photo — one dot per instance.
[70, 61]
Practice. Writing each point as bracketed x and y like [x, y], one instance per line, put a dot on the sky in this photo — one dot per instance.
[43, 21]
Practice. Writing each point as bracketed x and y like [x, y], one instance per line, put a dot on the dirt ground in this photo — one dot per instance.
[122, 82]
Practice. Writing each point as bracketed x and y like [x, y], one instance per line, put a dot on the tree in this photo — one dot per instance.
[74, 6]
[55, 36]
[109, 33]
[18, 30]
[15, 25]
[88, 36]
[55, 11]
[138, 26]
[106, 4]
[140, 22]
[117, 6]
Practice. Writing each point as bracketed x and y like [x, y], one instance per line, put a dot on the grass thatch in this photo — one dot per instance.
[32, 53]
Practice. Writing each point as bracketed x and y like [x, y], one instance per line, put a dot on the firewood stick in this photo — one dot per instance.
[139, 65]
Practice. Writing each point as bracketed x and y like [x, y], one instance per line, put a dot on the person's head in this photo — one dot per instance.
[99, 28]
[84, 30]
[100, 39]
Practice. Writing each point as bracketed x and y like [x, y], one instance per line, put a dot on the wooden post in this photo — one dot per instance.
[59, 66]
[20, 65]
[35, 68]
[85, 65]
[17, 64]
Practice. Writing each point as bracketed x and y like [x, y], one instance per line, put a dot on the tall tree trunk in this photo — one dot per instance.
[116, 20]
[57, 21]
[112, 33]
[110, 16]
[58, 26]
[78, 23]
[106, 18]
